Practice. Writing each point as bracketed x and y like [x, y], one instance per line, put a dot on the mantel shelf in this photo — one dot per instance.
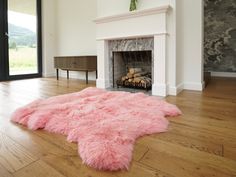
[133, 14]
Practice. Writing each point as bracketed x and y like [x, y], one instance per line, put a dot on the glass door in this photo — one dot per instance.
[23, 39]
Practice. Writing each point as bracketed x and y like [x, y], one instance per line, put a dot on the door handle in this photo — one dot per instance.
[6, 34]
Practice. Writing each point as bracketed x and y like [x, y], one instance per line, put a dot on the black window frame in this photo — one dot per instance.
[4, 53]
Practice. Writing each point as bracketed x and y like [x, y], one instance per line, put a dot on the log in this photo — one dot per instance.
[141, 78]
[124, 78]
[130, 80]
[130, 76]
[137, 79]
[135, 70]
[146, 82]
[140, 74]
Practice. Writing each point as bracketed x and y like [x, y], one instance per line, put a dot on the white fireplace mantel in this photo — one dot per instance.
[137, 24]
[133, 14]
[140, 23]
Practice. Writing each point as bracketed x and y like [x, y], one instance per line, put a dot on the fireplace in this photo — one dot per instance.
[132, 69]
[143, 30]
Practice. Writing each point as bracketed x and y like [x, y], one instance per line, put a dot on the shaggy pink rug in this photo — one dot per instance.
[105, 124]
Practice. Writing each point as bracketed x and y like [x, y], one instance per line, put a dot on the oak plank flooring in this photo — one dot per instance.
[192, 143]
[12, 155]
[200, 143]
[230, 151]
[177, 166]
[4, 172]
[38, 169]
[182, 155]
[72, 167]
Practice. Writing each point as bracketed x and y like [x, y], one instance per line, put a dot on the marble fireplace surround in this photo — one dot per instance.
[140, 27]
[128, 45]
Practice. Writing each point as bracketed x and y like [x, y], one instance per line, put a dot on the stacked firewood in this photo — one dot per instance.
[136, 78]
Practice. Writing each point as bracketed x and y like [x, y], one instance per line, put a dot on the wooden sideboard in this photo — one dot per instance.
[76, 63]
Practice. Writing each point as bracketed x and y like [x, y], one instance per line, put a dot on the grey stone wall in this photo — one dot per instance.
[220, 35]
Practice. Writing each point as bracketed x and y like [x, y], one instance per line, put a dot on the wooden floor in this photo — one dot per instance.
[200, 143]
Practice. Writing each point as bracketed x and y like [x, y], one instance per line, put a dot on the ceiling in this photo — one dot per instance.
[23, 6]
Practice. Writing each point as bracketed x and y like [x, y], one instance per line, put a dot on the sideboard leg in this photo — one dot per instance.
[67, 72]
[87, 77]
[57, 74]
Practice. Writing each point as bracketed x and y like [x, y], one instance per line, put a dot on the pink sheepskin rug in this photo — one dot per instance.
[105, 124]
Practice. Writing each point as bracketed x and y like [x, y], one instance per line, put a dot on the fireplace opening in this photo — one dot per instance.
[132, 69]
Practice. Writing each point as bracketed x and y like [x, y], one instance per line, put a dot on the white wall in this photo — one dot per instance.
[190, 44]
[179, 45]
[68, 30]
[76, 31]
[112, 7]
[48, 36]
[75, 27]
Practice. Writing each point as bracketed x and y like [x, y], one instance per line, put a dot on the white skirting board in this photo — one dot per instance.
[175, 90]
[223, 74]
[194, 86]
[186, 86]
[53, 74]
